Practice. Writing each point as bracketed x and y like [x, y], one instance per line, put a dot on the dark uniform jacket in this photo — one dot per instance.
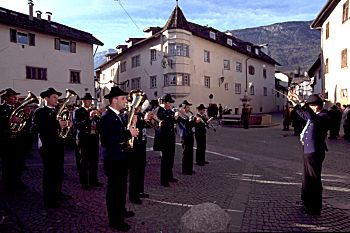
[165, 134]
[185, 127]
[316, 131]
[82, 122]
[47, 126]
[5, 113]
[114, 136]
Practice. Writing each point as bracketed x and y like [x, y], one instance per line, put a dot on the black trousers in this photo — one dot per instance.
[311, 193]
[12, 164]
[88, 158]
[167, 163]
[117, 175]
[53, 165]
[201, 140]
[187, 154]
[137, 164]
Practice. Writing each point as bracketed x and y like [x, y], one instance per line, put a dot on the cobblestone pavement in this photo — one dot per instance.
[254, 174]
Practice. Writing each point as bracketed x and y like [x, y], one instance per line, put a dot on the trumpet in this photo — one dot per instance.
[153, 122]
[184, 115]
[206, 122]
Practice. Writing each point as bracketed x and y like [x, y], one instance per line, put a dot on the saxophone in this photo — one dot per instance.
[19, 112]
[137, 98]
[63, 113]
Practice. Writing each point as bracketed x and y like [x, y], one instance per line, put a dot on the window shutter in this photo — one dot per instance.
[73, 47]
[57, 43]
[13, 35]
[31, 39]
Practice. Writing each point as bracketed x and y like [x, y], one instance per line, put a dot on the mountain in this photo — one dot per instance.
[292, 44]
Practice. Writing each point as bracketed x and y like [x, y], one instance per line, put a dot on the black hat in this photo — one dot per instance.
[87, 96]
[314, 99]
[115, 91]
[48, 92]
[185, 102]
[201, 107]
[7, 92]
[167, 98]
[334, 107]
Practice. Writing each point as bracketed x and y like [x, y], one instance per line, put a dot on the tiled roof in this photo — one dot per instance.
[177, 20]
[16, 19]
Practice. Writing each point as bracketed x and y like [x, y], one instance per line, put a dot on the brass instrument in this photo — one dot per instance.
[19, 112]
[206, 122]
[63, 113]
[186, 116]
[137, 98]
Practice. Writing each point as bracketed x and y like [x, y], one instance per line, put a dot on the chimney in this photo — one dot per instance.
[48, 16]
[31, 4]
[38, 14]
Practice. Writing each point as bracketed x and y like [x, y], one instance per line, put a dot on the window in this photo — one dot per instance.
[344, 58]
[135, 61]
[153, 81]
[206, 81]
[264, 73]
[68, 46]
[226, 64]
[123, 67]
[22, 38]
[177, 79]
[265, 91]
[327, 30]
[36, 73]
[74, 76]
[249, 48]
[238, 66]
[277, 94]
[153, 55]
[345, 11]
[178, 49]
[251, 89]
[238, 88]
[206, 56]
[326, 68]
[226, 86]
[251, 70]
[212, 35]
[135, 83]
[229, 41]
[256, 51]
[112, 72]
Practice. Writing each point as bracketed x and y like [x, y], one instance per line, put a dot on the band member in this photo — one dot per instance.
[46, 124]
[86, 122]
[114, 138]
[137, 161]
[200, 135]
[186, 124]
[12, 155]
[314, 146]
[165, 138]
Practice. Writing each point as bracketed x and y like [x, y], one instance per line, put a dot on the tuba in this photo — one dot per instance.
[63, 113]
[19, 112]
[137, 98]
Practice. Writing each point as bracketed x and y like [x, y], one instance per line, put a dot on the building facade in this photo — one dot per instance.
[192, 62]
[333, 21]
[37, 53]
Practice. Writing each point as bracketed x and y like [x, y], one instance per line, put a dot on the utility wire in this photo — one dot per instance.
[120, 3]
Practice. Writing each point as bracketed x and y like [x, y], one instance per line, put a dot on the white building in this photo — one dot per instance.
[38, 53]
[333, 21]
[316, 75]
[190, 61]
[281, 91]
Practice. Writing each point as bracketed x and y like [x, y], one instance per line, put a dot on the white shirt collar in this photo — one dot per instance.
[114, 110]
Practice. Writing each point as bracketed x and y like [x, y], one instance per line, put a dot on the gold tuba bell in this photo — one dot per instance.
[63, 113]
[19, 112]
[137, 98]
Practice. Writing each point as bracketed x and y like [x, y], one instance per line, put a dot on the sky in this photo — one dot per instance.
[109, 21]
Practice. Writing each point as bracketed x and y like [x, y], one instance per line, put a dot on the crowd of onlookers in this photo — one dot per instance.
[339, 116]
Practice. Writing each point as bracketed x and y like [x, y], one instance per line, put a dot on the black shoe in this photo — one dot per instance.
[200, 164]
[206, 162]
[96, 184]
[129, 214]
[144, 195]
[165, 184]
[64, 197]
[51, 205]
[174, 180]
[136, 201]
[189, 173]
[120, 227]
[85, 187]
